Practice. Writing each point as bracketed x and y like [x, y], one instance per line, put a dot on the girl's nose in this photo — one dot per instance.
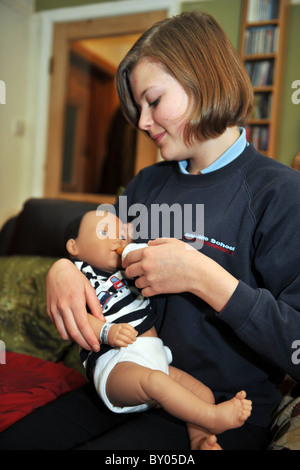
[145, 120]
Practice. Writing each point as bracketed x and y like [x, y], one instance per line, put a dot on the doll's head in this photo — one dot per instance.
[96, 239]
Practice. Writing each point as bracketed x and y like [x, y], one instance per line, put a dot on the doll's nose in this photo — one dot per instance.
[119, 242]
[123, 243]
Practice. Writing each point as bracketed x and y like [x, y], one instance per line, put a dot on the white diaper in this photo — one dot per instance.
[146, 351]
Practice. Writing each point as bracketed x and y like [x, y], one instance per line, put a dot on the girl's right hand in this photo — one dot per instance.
[68, 294]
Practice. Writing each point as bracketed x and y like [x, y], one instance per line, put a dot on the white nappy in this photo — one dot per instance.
[146, 351]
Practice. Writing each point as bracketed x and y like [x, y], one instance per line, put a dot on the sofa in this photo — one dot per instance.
[36, 364]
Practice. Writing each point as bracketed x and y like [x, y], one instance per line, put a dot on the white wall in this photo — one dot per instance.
[16, 34]
[25, 49]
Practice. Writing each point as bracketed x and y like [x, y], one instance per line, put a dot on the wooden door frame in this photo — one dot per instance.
[44, 30]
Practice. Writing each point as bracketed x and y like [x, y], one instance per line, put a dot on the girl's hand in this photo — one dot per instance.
[162, 267]
[169, 266]
[68, 293]
[121, 335]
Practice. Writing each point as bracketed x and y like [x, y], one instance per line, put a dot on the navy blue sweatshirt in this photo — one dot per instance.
[252, 229]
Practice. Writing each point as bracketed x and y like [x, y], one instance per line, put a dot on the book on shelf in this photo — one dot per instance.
[260, 72]
[261, 40]
[262, 106]
[258, 136]
[262, 10]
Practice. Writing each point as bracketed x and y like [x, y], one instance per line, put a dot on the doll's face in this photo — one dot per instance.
[98, 239]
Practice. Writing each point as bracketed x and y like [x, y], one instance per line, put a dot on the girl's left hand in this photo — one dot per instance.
[160, 268]
[171, 266]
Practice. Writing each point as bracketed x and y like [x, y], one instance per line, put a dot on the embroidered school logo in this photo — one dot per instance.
[212, 242]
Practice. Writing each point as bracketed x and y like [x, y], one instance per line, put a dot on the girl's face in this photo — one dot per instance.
[162, 103]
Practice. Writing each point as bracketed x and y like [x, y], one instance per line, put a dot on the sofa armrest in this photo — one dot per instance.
[6, 235]
[40, 226]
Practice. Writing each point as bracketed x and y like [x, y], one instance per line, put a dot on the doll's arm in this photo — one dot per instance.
[121, 335]
[118, 335]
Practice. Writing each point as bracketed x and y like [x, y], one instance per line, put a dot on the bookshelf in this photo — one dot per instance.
[262, 49]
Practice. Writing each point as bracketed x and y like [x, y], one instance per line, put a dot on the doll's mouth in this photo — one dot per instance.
[120, 250]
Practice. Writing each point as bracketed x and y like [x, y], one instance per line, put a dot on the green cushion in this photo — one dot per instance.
[24, 324]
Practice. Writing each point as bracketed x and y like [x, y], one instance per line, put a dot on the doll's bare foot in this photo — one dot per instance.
[232, 413]
[209, 443]
[200, 439]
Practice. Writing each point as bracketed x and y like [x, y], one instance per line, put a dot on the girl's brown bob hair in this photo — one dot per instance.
[195, 50]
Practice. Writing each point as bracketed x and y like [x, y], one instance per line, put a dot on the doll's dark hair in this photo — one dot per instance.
[72, 231]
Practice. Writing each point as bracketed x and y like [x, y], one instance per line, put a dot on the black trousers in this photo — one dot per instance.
[79, 421]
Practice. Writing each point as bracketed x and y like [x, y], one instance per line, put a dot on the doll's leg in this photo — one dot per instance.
[200, 438]
[215, 418]
[131, 384]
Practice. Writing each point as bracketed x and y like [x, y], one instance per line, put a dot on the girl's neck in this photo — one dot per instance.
[209, 151]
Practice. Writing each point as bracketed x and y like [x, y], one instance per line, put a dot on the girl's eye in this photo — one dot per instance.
[154, 103]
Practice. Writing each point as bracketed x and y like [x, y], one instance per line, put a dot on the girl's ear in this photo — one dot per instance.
[71, 247]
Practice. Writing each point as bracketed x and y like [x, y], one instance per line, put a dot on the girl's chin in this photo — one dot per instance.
[168, 157]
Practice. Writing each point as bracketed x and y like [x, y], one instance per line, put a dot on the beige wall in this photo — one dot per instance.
[18, 57]
[15, 119]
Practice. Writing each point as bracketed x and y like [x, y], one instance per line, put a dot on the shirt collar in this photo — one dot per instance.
[227, 157]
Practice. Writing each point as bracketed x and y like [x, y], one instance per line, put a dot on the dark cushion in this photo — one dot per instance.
[40, 226]
[6, 235]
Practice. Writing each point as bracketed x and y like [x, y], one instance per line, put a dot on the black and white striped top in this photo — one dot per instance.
[121, 302]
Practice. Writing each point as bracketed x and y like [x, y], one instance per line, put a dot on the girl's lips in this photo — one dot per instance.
[158, 137]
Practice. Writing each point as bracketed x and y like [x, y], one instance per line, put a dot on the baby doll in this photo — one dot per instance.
[132, 371]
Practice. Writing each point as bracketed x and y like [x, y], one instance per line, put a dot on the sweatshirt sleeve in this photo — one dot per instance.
[267, 316]
[269, 326]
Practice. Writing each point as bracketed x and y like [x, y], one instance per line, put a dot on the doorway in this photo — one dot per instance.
[92, 152]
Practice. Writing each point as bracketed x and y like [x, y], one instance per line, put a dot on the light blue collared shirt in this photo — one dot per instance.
[227, 157]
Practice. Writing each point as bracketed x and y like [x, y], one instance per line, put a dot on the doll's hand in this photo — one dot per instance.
[121, 335]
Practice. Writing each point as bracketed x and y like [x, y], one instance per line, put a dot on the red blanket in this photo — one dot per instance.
[27, 382]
